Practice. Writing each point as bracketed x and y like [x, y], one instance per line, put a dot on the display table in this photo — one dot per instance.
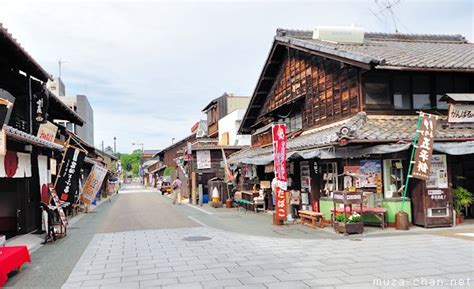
[12, 258]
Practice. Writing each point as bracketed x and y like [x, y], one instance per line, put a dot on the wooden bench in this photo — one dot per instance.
[310, 218]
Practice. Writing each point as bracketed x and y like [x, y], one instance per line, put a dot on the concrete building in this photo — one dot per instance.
[80, 104]
[228, 129]
[57, 87]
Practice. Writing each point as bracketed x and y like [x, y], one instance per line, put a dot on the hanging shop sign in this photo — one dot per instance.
[203, 159]
[57, 204]
[93, 183]
[279, 156]
[47, 131]
[460, 113]
[3, 142]
[424, 146]
[68, 177]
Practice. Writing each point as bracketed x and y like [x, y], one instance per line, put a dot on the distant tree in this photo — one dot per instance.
[131, 162]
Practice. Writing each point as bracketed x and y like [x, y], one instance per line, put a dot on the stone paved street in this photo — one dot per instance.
[166, 259]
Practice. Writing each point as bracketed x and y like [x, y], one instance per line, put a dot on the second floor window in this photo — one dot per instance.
[377, 90]
[294, 122]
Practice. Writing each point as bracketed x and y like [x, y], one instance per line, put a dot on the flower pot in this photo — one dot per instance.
[459, 219]
[349, 228]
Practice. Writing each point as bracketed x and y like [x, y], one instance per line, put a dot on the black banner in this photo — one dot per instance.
[68, 177]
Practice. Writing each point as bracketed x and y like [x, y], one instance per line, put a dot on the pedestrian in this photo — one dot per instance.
[274, 188]
[295, 200]
[176, 186]
[110, 187]
[47, 223]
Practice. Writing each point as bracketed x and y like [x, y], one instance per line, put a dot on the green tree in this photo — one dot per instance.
[131, 162]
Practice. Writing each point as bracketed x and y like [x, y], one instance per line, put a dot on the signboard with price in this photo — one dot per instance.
[93, 184]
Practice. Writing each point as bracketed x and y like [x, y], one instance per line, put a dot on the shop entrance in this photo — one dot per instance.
[9, 207]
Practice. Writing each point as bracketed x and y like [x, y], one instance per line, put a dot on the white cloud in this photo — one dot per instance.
[149, 67]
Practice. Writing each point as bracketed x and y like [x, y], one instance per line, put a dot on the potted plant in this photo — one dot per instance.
[461, 199]
[349, 225]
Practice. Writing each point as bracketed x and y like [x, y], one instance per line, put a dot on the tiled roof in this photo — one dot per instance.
[443, 52]
[379, 128]
[27, 61]
[320, 137]
[31, 139]
[362, 128]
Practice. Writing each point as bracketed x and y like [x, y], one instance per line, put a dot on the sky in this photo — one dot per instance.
[150, 67]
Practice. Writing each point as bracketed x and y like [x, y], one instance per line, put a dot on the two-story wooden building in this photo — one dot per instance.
[28, 160]
[350, 101]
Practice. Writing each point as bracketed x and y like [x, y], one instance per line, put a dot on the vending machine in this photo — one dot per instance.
[432, 200]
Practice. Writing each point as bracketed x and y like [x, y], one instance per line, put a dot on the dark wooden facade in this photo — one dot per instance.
[328, 90]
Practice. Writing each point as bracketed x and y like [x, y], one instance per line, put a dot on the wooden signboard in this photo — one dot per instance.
[47, 131]
[346, 198]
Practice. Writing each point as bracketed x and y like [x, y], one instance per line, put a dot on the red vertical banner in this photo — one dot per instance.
[279, 157]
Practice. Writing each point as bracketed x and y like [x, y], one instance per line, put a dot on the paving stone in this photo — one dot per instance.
[294, 277]
[323, 281]
[256, 280]
[232, 275]
[286, 285]
[158, 282]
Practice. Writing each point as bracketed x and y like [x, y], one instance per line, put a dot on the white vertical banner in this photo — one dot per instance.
[43, 173]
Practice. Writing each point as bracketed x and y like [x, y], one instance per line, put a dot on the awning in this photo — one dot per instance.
[326, 153]
[455, 148]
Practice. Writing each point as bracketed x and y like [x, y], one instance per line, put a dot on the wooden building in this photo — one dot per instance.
[353, 105]
[28, 161]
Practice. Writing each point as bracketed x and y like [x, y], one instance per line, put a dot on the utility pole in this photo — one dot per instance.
[102, 145]
[115, 145]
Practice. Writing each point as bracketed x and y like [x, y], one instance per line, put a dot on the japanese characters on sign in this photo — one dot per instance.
[279, 156]
[460, 113]
[68, 177]
[203, 159]
[424, 146]
[47, 131]
[93, 183]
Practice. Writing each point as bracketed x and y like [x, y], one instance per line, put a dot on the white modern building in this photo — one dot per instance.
[57, 87]
[228, 129]
[80, 104]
